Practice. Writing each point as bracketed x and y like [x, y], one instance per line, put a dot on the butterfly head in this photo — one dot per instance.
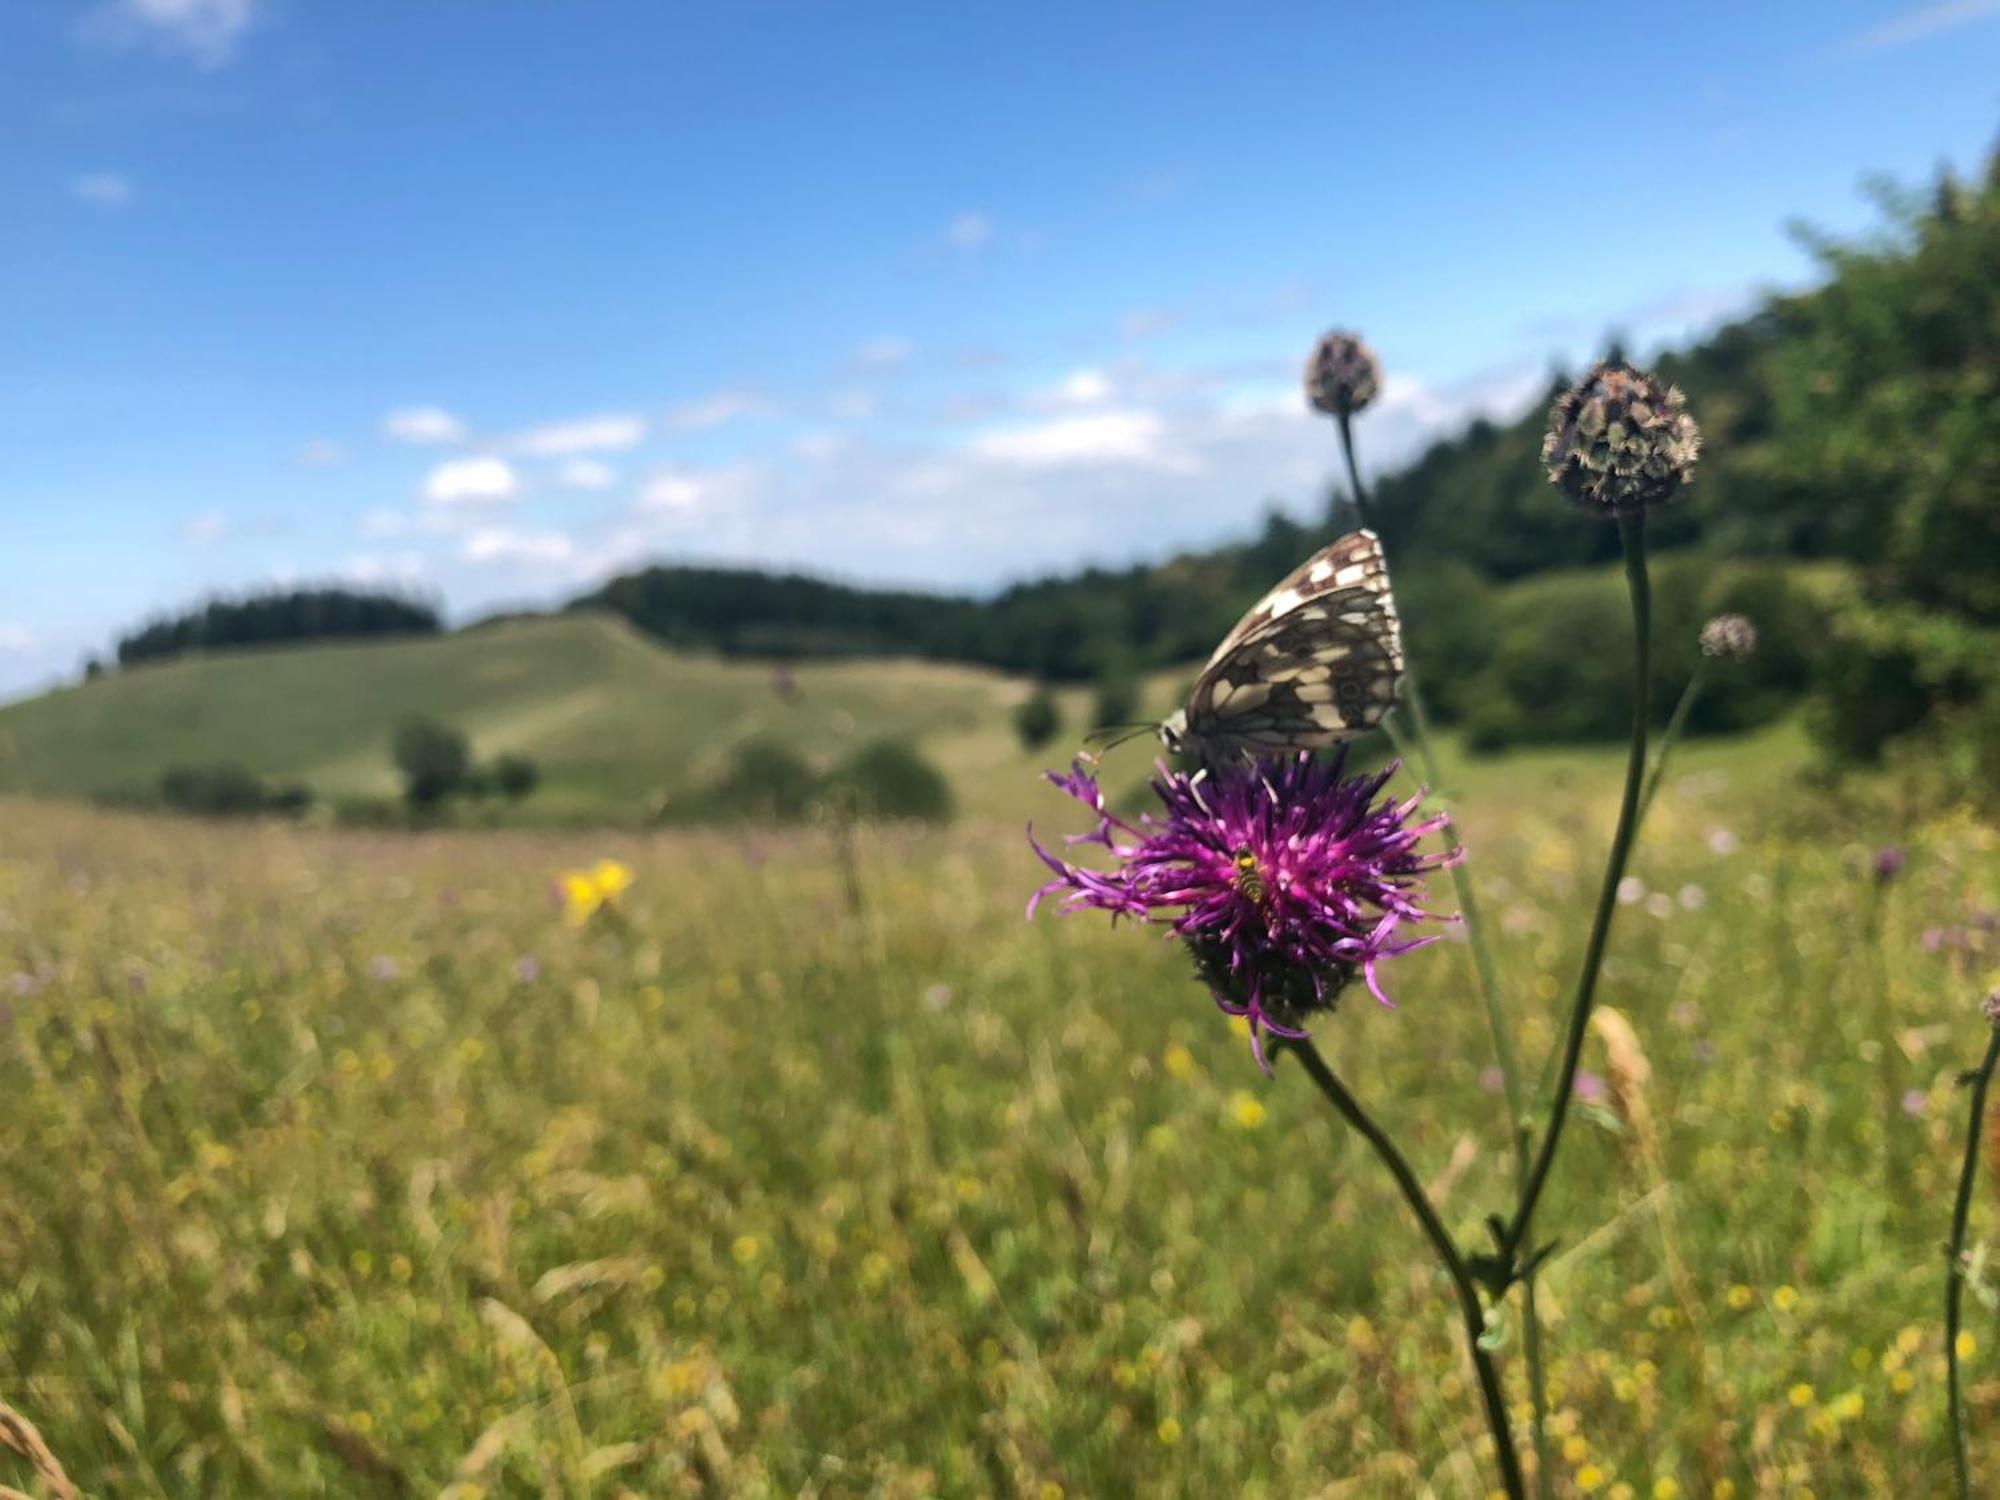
[1174, 731]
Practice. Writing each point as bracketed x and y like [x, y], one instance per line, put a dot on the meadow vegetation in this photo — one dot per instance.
[343, 1163]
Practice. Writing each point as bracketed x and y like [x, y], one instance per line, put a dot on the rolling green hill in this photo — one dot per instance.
[618, 723]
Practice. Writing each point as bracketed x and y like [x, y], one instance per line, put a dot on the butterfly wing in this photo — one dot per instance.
[1317, 661]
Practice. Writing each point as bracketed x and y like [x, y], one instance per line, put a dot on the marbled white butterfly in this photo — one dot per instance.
[1317, 661]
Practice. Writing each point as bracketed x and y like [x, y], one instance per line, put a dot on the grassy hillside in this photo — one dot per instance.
[617, 722]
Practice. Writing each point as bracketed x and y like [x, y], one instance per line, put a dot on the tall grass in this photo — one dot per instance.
[338, 1164]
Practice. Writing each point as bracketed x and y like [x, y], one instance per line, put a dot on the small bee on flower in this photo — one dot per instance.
[586, 893]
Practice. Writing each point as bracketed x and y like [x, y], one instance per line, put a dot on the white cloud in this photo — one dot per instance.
[1922, 23]
[423, 425]
[205, 529]
[717, 410]
[1080, 388]
[504, 544]
[103, 189]
[968, 231]
[206, 31]
[1129, 436]
[321, 453]
[586, 474]
[732, 489]
[612, 432]
[16, 640]
[485, 480]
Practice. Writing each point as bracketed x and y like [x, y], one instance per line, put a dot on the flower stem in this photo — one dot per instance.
[1632, 533]
[1670, 736]
[1954, 1291]
[1362, 508]
[1416, 744]
[1470, 1308]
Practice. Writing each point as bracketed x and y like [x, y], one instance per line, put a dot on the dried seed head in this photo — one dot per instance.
[1991, 1008]
[1343, 374]
[1619, 440]
[1731, 637]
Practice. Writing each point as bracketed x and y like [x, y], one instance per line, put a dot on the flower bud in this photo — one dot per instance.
[1343, 375]
[1991, 1008]
[1731, 637]
[1619, 440]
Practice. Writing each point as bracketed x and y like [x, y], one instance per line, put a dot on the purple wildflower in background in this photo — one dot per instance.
[1888, 863]
[1286, 879]
[1590, 1088]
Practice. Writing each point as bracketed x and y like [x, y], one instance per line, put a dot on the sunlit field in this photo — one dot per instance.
[342, 1164]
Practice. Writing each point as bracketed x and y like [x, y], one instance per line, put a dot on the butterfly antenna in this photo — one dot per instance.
[1109, 737]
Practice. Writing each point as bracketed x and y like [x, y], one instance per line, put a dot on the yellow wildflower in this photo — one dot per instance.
[1800, 1395]
[588, 892]
[1967, 1346]
[1170, 1431]
[1246, 1109]
[1785, 1298]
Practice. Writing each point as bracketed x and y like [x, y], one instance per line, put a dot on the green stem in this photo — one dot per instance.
[1354, 489]
[1419, 741]
[1954, 1291]
[1632, 533]
[1670, 736]
[1471, 1309]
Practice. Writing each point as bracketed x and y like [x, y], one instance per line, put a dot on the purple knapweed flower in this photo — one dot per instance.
[1590, 1088]
[1286, 879]
[1888, 863]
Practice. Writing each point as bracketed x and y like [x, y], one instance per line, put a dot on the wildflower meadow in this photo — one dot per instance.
[343, 1163]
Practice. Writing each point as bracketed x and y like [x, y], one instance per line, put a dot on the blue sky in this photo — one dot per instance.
[492, 297]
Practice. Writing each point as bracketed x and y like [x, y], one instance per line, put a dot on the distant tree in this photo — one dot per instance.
[766, 781]
[278, 616]
[227, 790]
[1038, 719]
[433, 758]
[1116, 702]
[516, 777]
[889, 779]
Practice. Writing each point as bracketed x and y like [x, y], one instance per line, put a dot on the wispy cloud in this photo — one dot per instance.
[611, 432]
[717, 410]
[969, 231]
[16, 640]
[375, 569]
[586, 474]
[321, 453]
[423, 426]
[1923, 23]
[504, 544]
[205, 529]
[101, 189]
[484, 480]
[884, 352]
[204, 31]
[1110, 437]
